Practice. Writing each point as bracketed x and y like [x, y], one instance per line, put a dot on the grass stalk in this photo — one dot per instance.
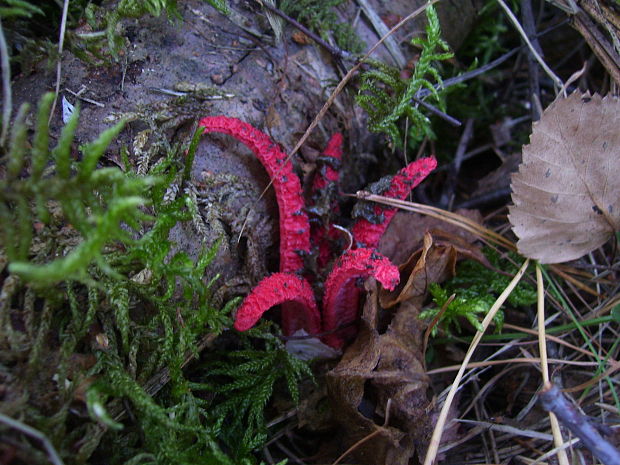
[431, 454]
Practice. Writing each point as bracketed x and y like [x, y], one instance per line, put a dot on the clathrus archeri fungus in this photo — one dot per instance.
[289, 288]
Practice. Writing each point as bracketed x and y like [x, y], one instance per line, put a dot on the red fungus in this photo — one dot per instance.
[288, 289]
[281, 288]
[332, 155]
[294, 225]
[322, 234]
[367, 234]
[342, 293]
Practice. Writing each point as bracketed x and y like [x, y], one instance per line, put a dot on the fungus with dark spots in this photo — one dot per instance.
[333, 151]
[294, 228]
[300, 311]
[342, 294]
[368, 234]
[288, 288]
[322, 232]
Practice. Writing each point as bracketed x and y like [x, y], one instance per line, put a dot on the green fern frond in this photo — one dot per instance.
[77, 187]
[476, 288]
[388, 98]
[150, 306]
[245, 382]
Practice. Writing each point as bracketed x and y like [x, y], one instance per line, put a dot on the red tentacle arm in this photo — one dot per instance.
[342, 291]
[367, 234]
[281, 288]
[321, 235]
[333, 154]
[294, 225]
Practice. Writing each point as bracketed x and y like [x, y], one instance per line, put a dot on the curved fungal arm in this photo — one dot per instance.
[342, 292]
[367, 234]
[294, 225]
[300, 311]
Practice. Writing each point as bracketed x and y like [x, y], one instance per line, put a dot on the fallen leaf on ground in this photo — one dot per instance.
[378, 368]
[434, 262]
[406, 233]
[567, 192]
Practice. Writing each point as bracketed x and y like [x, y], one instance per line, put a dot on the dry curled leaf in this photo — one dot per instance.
[566, 194]
[384, 370]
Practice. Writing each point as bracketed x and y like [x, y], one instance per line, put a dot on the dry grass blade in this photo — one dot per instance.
[53, 456]
[445, 215]
[558, 82]
[507, 361]
[431, 454]
[544, 365]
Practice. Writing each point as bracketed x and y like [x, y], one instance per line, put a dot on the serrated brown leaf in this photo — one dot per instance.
[566, 194]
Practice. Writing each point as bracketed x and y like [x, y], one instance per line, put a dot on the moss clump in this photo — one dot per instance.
[99, 316]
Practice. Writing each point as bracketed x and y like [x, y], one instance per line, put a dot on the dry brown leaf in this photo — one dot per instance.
[567, 192]
[434, 262]
[406, 232]
[378, 368]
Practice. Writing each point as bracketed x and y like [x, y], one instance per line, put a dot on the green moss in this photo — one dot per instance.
[99, 315]
[321, 17]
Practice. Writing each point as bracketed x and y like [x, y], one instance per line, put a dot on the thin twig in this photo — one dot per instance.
[492, 197]
[7, 99]
[544, 365]
[382, 30]
[447, 196]
[557, 81]
[529, 26]
[443, 415]
[436, 111]
[334, 51]
[35, 434]
[61, 43]
[554, 401]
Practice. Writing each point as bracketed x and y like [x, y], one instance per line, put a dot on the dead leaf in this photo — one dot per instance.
[406, 231]
[434, 262]
[567, 192]
[378, 368]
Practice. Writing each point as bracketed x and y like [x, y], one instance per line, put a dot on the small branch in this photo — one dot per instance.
[336, 52]
[557, 81]
[7, 102]
[447, 195]
[34, 434]
[529, 26]
[492, 197]
[436, 111]
[554, 401]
